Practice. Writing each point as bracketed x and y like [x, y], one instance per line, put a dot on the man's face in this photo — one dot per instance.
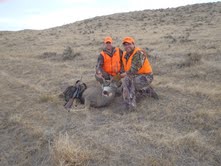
[108, 45]
[128, 47]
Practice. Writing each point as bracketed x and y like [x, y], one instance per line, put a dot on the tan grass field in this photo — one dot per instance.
[182, 128]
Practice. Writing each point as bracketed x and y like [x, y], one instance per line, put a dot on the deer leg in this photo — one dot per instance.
[86, 105]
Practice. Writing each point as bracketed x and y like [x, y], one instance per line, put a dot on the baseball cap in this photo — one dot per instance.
[108, 39]
[128, 40]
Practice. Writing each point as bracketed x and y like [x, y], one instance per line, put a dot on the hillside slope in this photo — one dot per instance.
[182, 128]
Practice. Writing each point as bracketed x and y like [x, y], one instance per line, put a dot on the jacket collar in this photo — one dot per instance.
[108, 52]
[127, 56]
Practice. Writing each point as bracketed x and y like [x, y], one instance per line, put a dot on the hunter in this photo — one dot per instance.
[109, 62]
[138, 73]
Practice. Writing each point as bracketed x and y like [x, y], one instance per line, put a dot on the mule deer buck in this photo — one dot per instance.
[93, 96]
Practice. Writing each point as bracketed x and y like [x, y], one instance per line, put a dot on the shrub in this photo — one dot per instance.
[69, 54]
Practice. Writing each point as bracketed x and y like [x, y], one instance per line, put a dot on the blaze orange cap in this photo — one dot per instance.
[108, 39]
[128, 40]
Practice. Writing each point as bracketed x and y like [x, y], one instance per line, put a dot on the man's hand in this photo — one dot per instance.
[98, 73]
[123, 75]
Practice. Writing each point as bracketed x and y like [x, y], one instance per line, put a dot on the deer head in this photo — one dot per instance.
[109, 87]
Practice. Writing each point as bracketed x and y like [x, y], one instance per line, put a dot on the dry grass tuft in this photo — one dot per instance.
[194, 58]
[193, 147]
[207, 119]
[65, 152]
[69, 54]
[48, 55]
[33, 128]
[191, 59]
[15, 118]
[44, 98]
[190, 142]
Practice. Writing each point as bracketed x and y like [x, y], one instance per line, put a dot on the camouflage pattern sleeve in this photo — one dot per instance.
[99, 67]
[137, 62]
[100, 61]
[121, 62]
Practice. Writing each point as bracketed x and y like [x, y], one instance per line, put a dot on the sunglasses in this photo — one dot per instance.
[127, 44]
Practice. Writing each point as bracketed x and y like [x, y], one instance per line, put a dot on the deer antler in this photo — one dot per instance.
[99, 75]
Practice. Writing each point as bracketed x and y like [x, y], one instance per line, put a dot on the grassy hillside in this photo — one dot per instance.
[182, 128]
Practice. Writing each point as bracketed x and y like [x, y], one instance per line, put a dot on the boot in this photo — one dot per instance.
[150, 92]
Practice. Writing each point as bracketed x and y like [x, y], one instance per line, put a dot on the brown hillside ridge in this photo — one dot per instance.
[183, 127]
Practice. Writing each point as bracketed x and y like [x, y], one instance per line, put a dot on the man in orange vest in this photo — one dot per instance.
[138, 73]
[109, 62]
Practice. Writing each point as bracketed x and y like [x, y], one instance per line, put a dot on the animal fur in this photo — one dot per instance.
[94, 97]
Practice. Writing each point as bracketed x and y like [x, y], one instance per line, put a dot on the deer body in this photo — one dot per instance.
[94, 97]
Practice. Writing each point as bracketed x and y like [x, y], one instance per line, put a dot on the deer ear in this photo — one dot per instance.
[77, 81]
[85, 85]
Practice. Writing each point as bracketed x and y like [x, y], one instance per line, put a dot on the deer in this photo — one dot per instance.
[94, 96]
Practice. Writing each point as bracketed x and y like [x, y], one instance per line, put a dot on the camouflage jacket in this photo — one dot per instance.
[137, 61]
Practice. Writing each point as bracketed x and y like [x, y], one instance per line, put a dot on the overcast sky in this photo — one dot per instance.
[42, 14]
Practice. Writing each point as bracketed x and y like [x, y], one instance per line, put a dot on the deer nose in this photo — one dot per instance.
[106, 90]
[105, 93]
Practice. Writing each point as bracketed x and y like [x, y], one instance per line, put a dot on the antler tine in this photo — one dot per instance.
[100, 76]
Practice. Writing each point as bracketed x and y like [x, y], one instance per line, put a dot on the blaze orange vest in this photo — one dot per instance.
[145, 69]
[112, 64]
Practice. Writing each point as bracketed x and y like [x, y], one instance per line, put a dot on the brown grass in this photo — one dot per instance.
[181, 128]
[46, 98]
[65, 152]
